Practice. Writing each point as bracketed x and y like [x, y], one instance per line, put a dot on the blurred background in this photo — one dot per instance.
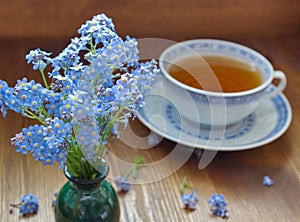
[173, 20]
[50, 25]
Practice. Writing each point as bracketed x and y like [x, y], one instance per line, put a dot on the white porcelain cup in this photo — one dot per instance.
[216, 108]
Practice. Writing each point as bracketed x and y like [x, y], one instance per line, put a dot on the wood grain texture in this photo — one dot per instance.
[175, 20]
[237, 175]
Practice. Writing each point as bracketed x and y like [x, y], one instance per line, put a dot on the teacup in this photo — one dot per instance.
[216, 107]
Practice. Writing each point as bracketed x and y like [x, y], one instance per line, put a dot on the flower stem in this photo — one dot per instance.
[184, 185]
[133, 170]
[44, 78]
[32, 115]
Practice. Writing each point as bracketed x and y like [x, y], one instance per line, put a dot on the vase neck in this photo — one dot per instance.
[87, 184]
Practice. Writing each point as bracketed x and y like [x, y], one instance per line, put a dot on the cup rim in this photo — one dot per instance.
[261, 87]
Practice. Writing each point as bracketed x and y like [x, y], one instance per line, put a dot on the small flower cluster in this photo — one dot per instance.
[218, 205]
[267, 181]
[53, 203]
[190, 199]
[96, 84]
[46, 143]
[29, 205]
[122, 181]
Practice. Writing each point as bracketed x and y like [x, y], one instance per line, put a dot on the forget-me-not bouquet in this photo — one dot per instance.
[89, 92]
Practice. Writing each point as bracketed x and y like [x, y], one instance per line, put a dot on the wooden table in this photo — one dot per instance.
[238, 175]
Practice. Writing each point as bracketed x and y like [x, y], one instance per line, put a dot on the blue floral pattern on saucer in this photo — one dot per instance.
[232, 131]
[269, 121]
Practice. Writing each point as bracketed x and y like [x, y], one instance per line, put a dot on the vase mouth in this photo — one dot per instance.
[100, 177]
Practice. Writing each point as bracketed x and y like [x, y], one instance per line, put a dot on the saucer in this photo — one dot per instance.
[269, 121]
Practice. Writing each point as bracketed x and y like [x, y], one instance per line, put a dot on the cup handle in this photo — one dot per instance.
[278, 88]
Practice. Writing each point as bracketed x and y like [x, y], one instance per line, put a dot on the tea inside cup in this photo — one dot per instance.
[224, 81]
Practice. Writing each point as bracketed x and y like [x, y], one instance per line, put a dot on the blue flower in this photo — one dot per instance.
[23, 147]
[267, 181]
[38, 58]
[39, 151]
[66, 106]
[145, 75]
[218, 205]
[9, 100]
[17, 139]
[100, 24]
[78, 44]
[122, 183]
[53, 106]
[88, 135]
[60, 128]
[99, 68]
[46, 143]
[61, 64]
[190, 200]
[96, 84]
[29, 204]
[60, 156]
[131, 50]
[26, 94]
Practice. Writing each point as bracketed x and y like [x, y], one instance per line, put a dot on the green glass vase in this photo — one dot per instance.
[87, 200]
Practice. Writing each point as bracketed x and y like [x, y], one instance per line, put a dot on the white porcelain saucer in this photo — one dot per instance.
[269, 121]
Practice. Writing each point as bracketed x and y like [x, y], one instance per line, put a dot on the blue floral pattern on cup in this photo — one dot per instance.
[217, 108]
